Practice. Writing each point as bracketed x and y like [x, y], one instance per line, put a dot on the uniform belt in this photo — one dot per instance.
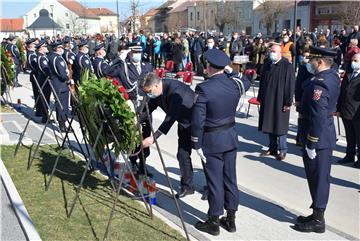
[219, 128]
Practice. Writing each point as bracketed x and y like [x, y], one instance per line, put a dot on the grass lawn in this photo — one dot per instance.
[6, 109]
[90, 216]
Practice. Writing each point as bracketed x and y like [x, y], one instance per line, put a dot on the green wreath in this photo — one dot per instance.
[21, 46]
[108, 94]
[7, 69]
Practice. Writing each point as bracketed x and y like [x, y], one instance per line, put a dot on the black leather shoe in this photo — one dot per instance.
[346, 159]
[228, 223]
[269, 153]
[184, 192]
[210, 226]
[281, 157]
[303, 219]
[311, 226]
[357, 164]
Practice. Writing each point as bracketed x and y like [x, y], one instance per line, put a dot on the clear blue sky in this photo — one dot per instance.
[17, 8]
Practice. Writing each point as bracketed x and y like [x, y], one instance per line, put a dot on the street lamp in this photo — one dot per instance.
[195, 15]
[52, 15]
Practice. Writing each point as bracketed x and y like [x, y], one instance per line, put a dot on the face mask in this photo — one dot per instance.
[61, 52]
[273, 57]
[86, 51]
[210, 45]
[355, 66]
[310, 68]
[151, 95]
[136, 57]
[122, 56]
[305, 60]
[286, 40]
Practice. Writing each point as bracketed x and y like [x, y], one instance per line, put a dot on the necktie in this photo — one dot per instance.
[354, 74]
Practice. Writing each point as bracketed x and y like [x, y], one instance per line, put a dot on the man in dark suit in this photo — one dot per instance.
[176, 100]
[99, 63]
[15, 54]
[349, 109]
[214, 138]
[82, 62]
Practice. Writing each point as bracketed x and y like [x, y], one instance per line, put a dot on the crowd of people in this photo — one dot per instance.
[325, 83]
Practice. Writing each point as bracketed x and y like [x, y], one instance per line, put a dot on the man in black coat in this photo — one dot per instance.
[349, 108]
[275, 95]
[176, 100]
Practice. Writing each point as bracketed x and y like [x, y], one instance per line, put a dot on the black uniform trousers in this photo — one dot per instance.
[36, 93]
[183, 156]
[146, 132]
[352, 131]
[220, 172]
[41, 107]
[318, 176]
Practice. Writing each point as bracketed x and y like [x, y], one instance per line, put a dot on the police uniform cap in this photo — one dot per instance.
[136, 48]
[41, 43]
[321, 52]
[217, 58]
[83, 42]
[67, 40]
[30, 40]
[99, 46]
[11, 38]
[56, 44]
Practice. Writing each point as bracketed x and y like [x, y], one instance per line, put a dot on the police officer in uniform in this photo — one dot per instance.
[68, 55]
[176, 100]
[14, 51]
[318, 103]
[99, 63]
[42, 74]
[82, 62]
[60, 80]
[31, 63]
[214, 138]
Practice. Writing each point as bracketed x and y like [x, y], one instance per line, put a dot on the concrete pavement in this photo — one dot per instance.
[272, 193]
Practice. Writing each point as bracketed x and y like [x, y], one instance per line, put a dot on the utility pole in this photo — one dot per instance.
[294, 32]
[118, 18]
[205, 17]
[52, 16]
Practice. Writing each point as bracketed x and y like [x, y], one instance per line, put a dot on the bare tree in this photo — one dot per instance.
[349, 12]
[270, 10]
[225, 14]
[134, 7]
[75, 24]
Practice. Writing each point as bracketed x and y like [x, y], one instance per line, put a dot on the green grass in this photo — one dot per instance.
[6, 109]
[48, 209]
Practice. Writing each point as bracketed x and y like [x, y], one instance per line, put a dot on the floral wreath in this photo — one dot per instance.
[7, 69]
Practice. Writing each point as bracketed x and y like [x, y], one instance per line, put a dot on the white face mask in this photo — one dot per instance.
[136, 57]
[85, 51]
[286, 40]
[122, 56]
[61, 52]
[210, 45]
[355, 66]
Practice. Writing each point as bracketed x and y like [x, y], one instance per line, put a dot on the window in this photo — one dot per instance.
[66, 15]
[110, 24]
[286, 24]
[198, 15]
[324, 10]
[67, 26]
[51, 15]
[191, 16]
[34, 15]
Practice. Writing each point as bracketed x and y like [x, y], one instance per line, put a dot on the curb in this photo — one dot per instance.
[18, 205]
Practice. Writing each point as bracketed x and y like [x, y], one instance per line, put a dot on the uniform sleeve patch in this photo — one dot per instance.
[62, 63]
[45, 62]
[87, 61]
[317, 94]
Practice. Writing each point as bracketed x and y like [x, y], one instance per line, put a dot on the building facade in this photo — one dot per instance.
[74, 18]
[108, 20]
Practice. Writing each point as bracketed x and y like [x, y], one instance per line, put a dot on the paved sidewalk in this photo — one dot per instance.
[271, 193]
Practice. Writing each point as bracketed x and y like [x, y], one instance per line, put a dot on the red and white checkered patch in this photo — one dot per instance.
[317, 94]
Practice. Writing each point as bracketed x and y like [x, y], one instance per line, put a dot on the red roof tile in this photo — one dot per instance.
[151, 12]
[79, 9]
[102, 12]
[11, 24]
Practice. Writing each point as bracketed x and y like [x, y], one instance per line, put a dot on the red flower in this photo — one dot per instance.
[121, 89]
[126, 96]
[115, 82]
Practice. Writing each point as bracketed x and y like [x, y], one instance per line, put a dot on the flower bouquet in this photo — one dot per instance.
[21, 46]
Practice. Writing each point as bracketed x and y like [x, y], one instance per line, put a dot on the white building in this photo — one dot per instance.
[108, 20]
[284, 20]
[74, 18]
